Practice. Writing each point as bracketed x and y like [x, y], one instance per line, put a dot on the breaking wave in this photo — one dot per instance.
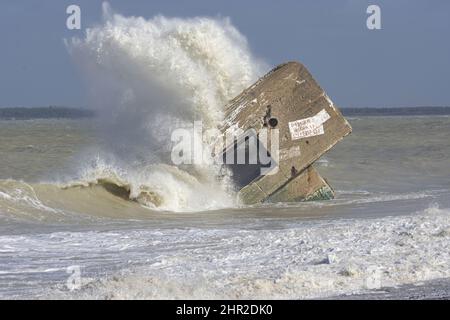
[147, 77]
[156, 186]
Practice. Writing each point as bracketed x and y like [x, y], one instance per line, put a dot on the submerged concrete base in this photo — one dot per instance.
[307, 186]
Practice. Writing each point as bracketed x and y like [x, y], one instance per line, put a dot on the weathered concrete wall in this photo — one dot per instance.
[290, 100]
[307, 186]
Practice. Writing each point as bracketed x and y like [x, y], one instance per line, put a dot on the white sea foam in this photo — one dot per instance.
[149, 76]
[18, 196]
[159, 186]
[5, 195]
[312, 259]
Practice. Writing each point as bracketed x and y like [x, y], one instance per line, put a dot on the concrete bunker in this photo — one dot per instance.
[288, 101]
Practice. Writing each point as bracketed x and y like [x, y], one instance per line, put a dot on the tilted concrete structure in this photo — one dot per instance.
[290, 100]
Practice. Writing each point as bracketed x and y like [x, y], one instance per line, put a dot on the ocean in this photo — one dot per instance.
[388, 226]
[94, 208]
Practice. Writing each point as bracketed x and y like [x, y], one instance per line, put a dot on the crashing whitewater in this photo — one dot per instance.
[388, 226]
[149, 77]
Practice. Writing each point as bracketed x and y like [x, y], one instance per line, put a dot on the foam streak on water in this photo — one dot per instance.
[300, 260]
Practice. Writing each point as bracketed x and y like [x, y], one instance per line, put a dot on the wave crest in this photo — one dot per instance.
[157, 186]
[148, 77]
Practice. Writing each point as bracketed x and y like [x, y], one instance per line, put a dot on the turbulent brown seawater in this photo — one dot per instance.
[388, 226]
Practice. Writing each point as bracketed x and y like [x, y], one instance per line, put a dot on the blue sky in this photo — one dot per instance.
[407, 63]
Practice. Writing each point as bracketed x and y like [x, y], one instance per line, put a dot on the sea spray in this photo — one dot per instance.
[147, 77]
